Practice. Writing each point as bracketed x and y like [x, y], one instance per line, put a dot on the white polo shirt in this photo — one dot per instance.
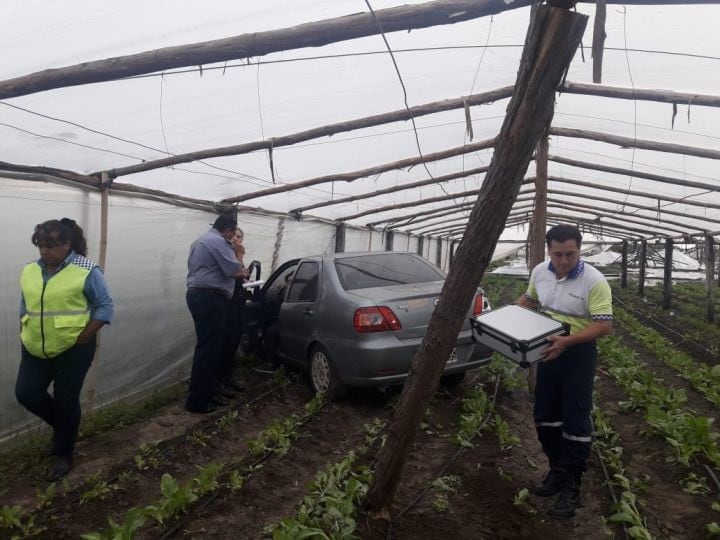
[581, 297]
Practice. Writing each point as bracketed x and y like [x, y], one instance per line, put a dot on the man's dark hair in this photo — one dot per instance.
[563, 233]
[225, 222]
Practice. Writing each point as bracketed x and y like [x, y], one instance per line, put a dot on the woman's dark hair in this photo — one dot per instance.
[58, 231]
[563, 233]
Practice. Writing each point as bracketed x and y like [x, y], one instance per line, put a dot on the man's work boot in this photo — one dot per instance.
[568, 500]
[226, 392]
[551, 484]
[233, 384]
[59, 467]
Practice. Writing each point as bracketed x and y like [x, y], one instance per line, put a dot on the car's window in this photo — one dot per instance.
[279, 285]
[379, 270]
[304, 285]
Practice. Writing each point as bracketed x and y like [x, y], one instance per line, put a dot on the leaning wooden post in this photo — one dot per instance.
[667, 275]
[642, 262]
[538, 226]
[91, 378]
[710, 277]
[623, 265]
[552, 39]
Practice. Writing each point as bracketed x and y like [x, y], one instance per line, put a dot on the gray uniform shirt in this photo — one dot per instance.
[212, 263]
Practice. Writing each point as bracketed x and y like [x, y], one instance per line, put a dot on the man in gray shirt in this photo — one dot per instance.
[212, 270]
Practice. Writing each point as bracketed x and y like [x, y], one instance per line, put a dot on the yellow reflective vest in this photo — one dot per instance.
[56, 310]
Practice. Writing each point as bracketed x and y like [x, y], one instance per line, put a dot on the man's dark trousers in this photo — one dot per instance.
[563, 402]
[209, 309]
[61, 410]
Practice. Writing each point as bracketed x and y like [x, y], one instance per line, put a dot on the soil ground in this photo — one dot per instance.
[482, 506]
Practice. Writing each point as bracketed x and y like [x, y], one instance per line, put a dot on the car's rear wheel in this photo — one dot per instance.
[454, 380]
[323, 375]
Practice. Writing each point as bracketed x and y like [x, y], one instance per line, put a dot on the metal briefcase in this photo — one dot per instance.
[517, 332]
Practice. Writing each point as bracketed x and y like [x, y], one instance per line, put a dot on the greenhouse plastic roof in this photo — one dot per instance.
[114, 124]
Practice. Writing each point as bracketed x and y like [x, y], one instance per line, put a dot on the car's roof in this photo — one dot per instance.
[351, 254]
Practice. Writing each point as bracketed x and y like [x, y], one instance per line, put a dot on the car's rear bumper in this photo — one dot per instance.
[385, 360]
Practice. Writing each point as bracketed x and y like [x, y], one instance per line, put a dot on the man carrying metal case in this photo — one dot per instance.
[573, 292]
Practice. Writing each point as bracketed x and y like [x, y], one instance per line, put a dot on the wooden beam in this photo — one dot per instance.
[370, 171]
[709, 278]
[255, 44]
[340, 237]
[642, 262]
[635, 174]
[624, 216]
[648, 208]
[629, 142]
[624, 265]
[606, 231]
[667, 274]
[538, 225]
[471, 193]
[394, 189]
[615, 226]
[524, 210]
[552, 39]
[400, 115]
[645, 194]
[599, 35]
[641, 94]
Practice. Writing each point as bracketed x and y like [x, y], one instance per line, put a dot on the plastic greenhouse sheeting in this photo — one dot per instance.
[107, 125]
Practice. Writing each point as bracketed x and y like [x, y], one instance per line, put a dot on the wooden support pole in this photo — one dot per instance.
[642, 263]
[599, 35]
[389, 240]
[438, 253]
[278, 244]
[629, 142]
[624, 265]
[452, 253]
[340, 237]
[91, 377]
[709, 278]
[667, 274]
[552, 39]
[538, 226]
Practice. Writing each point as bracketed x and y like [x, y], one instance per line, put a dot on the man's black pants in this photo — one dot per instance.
[61, 410]
[209, 309]
[563, 402]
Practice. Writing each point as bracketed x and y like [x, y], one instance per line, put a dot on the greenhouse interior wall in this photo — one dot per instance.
[150, 343]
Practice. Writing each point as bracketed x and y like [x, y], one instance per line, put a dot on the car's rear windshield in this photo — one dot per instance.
[367, 271]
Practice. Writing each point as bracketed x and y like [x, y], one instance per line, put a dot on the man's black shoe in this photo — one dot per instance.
[226, 392]
[567, 501]
[266, 368]
[233, 384]
[220, 401]
[551, 484]
[204, 409]
[59, 467]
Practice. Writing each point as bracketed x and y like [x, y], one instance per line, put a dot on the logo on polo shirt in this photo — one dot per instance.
[576, 296]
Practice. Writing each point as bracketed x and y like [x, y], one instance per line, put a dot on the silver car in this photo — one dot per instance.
[357, 319]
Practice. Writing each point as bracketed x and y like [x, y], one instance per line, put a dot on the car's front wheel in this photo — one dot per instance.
[323, 375]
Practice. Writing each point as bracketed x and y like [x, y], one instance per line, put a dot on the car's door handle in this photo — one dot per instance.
[308, 313]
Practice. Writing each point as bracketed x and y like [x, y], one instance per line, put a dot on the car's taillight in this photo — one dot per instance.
[478, 305]
[375, 319]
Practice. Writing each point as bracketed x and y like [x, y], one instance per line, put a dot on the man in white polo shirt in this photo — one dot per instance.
[570, 291]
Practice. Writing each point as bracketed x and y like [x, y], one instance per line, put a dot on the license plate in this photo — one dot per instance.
[453, 357]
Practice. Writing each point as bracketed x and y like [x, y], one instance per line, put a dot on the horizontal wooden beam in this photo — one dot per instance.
[394, 189]
[313, 34]
[371, 171]
[620, 92]
[635, 174]
[400, 115]
[645, 194]
[629, 142]
[436, 228]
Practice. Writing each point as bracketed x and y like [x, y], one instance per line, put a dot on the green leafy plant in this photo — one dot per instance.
[506, 437]
[44, 498]
[135, 518]
[207, 478]
[175, 499]
[99, 489]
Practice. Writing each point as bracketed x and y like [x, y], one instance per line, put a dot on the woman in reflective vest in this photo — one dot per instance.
[65, 301]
